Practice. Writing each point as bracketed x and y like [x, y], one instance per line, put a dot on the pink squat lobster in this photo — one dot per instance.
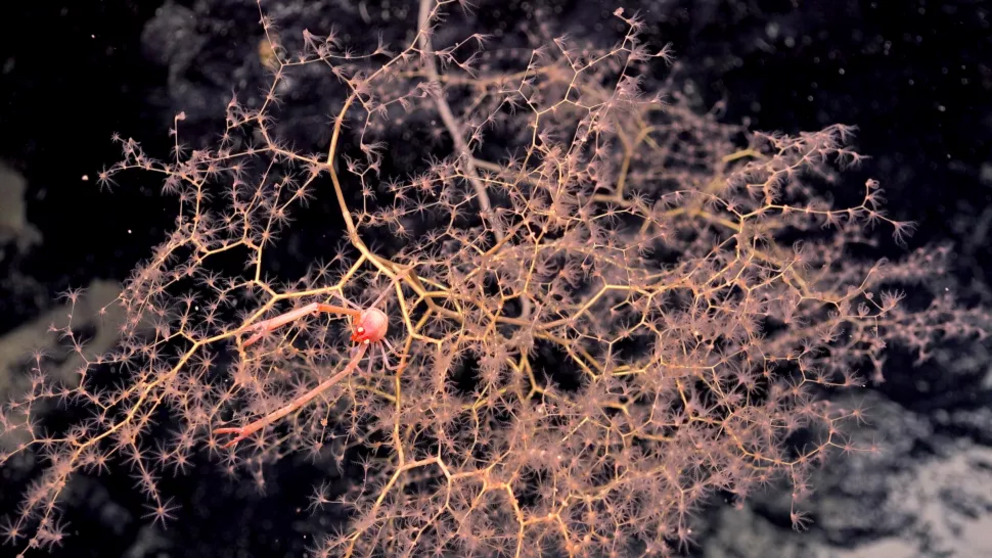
[368, 326]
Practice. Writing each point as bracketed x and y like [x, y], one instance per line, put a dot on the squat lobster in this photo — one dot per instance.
[368, 326]
[372, 322]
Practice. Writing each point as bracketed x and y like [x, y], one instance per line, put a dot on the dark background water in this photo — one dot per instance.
[914, 76]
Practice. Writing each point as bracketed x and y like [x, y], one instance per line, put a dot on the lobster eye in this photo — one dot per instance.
[360, 329]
